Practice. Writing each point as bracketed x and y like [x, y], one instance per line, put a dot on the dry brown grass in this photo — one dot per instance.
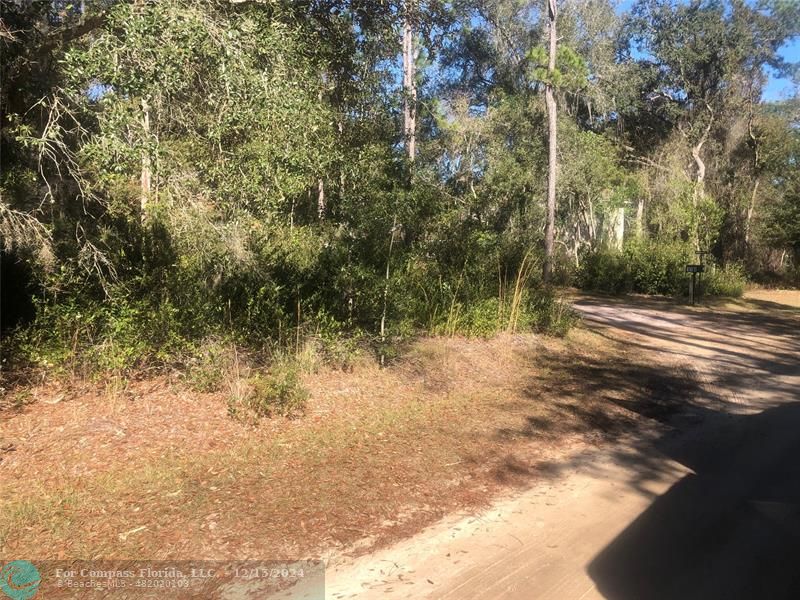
[788, 298]
[154, 471]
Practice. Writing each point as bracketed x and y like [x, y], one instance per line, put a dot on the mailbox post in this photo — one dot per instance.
[694, 270]
[701, 254]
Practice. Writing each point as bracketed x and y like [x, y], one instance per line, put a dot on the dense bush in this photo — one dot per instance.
[85, 336]
[729, 281]
[657, 268]
[533, 310]
[288, 290]
[605, 271]
[474, 282]
[554, 315]
[185, 178]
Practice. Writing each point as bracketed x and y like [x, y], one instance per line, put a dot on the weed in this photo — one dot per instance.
[206, 370]
[276, 392]
[518, 294]
[728, 281]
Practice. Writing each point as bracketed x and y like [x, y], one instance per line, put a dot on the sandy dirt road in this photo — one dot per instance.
[704, 503]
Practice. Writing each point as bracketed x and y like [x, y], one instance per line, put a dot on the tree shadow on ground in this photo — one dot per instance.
[623, 403]
[729, 530]
[631, 406]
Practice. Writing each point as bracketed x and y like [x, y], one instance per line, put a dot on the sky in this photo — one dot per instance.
[777, 88]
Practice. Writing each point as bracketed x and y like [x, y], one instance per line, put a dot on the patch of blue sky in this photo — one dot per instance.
[782, 88]
[777, 88]
[97, 90]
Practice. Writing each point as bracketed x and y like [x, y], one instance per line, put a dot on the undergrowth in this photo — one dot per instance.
[257, 349]
[646, 267]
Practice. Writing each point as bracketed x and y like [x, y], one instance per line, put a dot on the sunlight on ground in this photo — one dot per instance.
[785, 297]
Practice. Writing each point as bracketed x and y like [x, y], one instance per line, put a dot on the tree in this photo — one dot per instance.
[244, 166]
[706, 57]
[409, 80]
[552, 144]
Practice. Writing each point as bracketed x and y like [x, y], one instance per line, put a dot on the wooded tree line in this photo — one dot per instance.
[175, 169]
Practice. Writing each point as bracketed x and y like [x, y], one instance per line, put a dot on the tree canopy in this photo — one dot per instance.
[241, 167]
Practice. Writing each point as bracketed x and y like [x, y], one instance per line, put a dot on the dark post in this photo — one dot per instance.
[701, 255]
[694, 270]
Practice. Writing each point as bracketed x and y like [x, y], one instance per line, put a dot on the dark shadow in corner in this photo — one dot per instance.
[729, 531]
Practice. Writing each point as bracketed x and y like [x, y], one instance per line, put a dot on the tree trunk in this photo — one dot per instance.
[618, 228]
[320, 199]
[552, 165]
[640, 218]
[320, 183]
[146, 170]
[750, 210]
[701, 168]
[700, 177]
[756, 169]
[409, 82]
[386, 289]
[587, 210]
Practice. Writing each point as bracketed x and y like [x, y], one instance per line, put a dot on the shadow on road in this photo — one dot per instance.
[729, 530]
[745, 354]
[715, 391]
[624, 404]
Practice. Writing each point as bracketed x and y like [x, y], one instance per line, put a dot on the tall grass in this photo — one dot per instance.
[518, 295]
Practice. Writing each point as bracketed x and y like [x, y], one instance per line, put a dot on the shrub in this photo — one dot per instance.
[605, 271]
[645, 267]
[471, 318]
[658, 267]
[335, 345]
[728, 281]
[91, 337]
[207, 368]
[481, 318]
[536, 309]
[550, 314]
[278, 392]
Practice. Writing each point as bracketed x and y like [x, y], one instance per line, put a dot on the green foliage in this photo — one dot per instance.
[658, 268]
[232, 97]
[278, 392]
[210, 364]
[648, 267]
[570, 73]
[729, 281]
[97, 337]
[520, 307]
[480, 319]
[549, 313]
[644, 267]
[282, 214]
[605, 271]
